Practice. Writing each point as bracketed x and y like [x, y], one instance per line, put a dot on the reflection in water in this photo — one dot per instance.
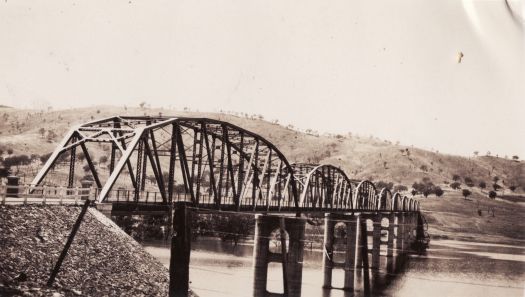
[446, 270]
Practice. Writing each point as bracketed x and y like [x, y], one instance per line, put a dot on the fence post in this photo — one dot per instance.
[3, 194]
[25, 196]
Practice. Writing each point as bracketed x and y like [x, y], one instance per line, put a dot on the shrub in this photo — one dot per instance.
[482, 185]
[382, 184]
[492, 194]
[455, 185]
[496, 187]
[466, 193]
[438, 191]
[400, 188]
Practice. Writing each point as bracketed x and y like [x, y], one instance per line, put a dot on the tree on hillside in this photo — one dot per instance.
[468, 181]
[492, 194]
[515, 157]
[495, 179]
[438, 191]
[496, 187]
[44, 157]
[381, 184]
[42, 132]
[466, 193]
[425, 187]
[456, 177]
[512, 188]
[9, 151]
[400, 188]
[455, 185]
[476, 153]
[103, 159]
[482, 185]
[413, 192]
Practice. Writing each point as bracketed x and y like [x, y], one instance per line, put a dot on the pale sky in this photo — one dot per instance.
[386, 68]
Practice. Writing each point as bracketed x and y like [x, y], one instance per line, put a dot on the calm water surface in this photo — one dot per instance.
[449, 268]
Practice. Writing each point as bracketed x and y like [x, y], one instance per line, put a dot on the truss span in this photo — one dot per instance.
[323, 187]
[207, 162]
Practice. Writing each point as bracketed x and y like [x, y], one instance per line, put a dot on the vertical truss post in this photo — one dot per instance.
[71, 177]
[144, 163]
[138, 175]
[173, 158]
[199, 164]
[255, 175]
[221, 174]
[210, 162]
[240, 172]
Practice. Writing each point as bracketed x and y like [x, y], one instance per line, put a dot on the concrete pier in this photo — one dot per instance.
[180, 250]
[350, 223]
[291, 255]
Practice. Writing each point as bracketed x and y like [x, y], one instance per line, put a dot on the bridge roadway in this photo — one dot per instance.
[220, 166]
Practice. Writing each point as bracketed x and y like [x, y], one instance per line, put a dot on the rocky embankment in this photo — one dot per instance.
[102, 261]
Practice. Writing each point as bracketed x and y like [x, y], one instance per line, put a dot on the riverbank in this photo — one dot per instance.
[102, 261]
[477, 218]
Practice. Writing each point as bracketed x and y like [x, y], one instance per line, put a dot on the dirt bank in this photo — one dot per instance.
[102, 261]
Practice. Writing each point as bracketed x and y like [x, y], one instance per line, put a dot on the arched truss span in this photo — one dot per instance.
[385, 200]
[322, 186]
[405, 204]
[211, 161]
[365, 195]
[397, 202]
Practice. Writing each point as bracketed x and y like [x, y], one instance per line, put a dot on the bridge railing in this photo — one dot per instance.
[26, 194]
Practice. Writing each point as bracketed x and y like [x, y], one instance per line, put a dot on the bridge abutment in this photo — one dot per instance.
[290, 256]
[105, 208]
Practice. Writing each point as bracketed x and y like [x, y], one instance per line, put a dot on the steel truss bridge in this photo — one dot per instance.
[211, 164]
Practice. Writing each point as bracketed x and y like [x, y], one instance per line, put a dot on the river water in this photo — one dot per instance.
[449, 268]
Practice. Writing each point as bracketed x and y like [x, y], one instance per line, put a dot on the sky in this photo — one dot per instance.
[383, 68]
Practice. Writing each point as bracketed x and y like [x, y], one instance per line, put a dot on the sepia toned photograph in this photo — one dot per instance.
[235, 148]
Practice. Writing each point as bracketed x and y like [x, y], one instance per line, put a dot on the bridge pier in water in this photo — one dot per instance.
[350, 222]
[180, 250]
[359, 272]
[290, 256]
